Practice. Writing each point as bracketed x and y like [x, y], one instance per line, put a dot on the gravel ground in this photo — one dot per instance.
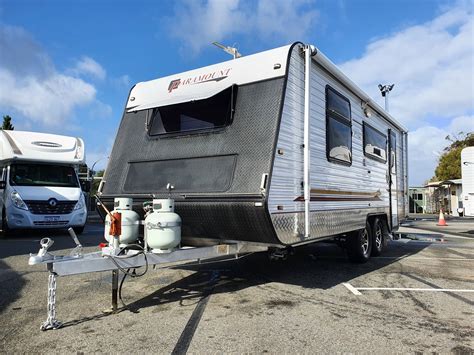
[251, 305]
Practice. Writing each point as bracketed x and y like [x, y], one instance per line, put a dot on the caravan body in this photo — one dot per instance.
[40, 187]
[467, 172]
[245, 160]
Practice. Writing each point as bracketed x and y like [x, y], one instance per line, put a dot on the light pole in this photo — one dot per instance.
[385, 89]
[93, 165]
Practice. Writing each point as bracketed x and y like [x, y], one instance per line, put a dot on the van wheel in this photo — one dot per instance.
[78, 230]
[6, 232]
[379, 236]
[360, 245]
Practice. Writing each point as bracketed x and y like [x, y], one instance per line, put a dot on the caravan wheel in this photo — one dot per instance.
[379, 236]
[360, 245]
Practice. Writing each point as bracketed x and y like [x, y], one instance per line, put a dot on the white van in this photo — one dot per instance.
[39, 185]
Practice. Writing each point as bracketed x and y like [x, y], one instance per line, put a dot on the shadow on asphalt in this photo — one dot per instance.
[11, 285]
[319, 266]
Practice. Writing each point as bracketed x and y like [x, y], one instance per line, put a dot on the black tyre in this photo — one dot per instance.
[359, 245]
[6, 232]
[79, 230]
[379, 236]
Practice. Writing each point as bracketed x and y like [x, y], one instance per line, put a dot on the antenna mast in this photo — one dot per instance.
[231, 50]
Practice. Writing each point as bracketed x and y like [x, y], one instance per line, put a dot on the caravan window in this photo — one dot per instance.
[214, 112]
[375, 144]
[338, 128]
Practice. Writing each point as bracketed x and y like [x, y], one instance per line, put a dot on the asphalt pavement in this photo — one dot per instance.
[417, 297]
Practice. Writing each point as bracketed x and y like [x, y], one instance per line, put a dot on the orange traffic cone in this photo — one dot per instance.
[441, 221]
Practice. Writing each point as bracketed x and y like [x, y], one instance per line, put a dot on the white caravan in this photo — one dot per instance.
[279, 148]
[39, 183]
[467, 172]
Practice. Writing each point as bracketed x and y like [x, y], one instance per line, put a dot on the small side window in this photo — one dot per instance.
[338, 128]
[375, 144]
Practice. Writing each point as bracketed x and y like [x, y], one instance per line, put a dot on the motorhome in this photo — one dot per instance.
[278, 148]
[467, 172]
[39, 185]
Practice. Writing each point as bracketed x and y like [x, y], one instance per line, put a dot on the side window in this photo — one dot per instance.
[338, 128]
[375, 144]
[393, 152]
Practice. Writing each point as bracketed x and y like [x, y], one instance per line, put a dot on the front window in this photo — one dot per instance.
[201, 115]
[43, 175]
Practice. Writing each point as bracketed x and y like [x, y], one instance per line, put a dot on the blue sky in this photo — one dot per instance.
[67, 66]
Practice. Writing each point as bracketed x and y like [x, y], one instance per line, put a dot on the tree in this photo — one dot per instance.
[449, 165]
[7, 123]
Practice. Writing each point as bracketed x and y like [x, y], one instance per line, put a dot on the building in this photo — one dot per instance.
[417, 199]
[445, 195]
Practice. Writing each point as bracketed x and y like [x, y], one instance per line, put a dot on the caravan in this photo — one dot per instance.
[39, 186]
[279, 148]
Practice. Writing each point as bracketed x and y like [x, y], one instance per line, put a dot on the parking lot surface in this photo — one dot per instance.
[417, 297]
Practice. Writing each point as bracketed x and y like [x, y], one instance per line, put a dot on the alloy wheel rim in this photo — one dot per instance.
[378, 237]
[365, 241]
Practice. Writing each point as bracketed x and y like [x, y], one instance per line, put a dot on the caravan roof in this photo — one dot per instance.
[41, 147]
[207, 81]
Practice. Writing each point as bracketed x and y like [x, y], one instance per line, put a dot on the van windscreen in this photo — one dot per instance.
[43, 175]
[200, 115]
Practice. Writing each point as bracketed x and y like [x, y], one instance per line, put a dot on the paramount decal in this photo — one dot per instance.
[217, 75]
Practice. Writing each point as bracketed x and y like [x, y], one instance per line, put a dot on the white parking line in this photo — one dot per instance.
[407, 257]
[351, 288]
[356, 290]
[411, 289]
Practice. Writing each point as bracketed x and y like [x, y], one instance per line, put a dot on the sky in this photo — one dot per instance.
[66, 67]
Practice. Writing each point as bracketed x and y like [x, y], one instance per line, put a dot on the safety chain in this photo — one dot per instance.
[51, 321]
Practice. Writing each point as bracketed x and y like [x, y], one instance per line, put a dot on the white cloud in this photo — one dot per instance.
[49, 100]
[199, 23]
[432, 66]
[31, 85]
[89, 66]
[426, 144]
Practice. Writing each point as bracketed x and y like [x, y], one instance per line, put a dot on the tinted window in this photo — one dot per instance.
[211, 113]
[43, 175]
[338, 104]
[338, 128]
[339, 136]
[375, 144]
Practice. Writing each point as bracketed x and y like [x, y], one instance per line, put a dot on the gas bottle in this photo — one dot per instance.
[163, 227]
[129, 224]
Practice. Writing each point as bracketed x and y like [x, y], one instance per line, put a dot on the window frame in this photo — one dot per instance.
[374, 157]
[333, 115]
[228, 121]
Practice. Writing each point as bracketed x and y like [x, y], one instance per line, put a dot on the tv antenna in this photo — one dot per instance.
[231, 50]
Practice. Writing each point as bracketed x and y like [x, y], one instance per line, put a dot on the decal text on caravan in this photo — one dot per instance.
[217, 75]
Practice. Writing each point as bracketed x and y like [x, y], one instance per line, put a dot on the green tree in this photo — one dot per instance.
[449, 165]
[7, 123]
